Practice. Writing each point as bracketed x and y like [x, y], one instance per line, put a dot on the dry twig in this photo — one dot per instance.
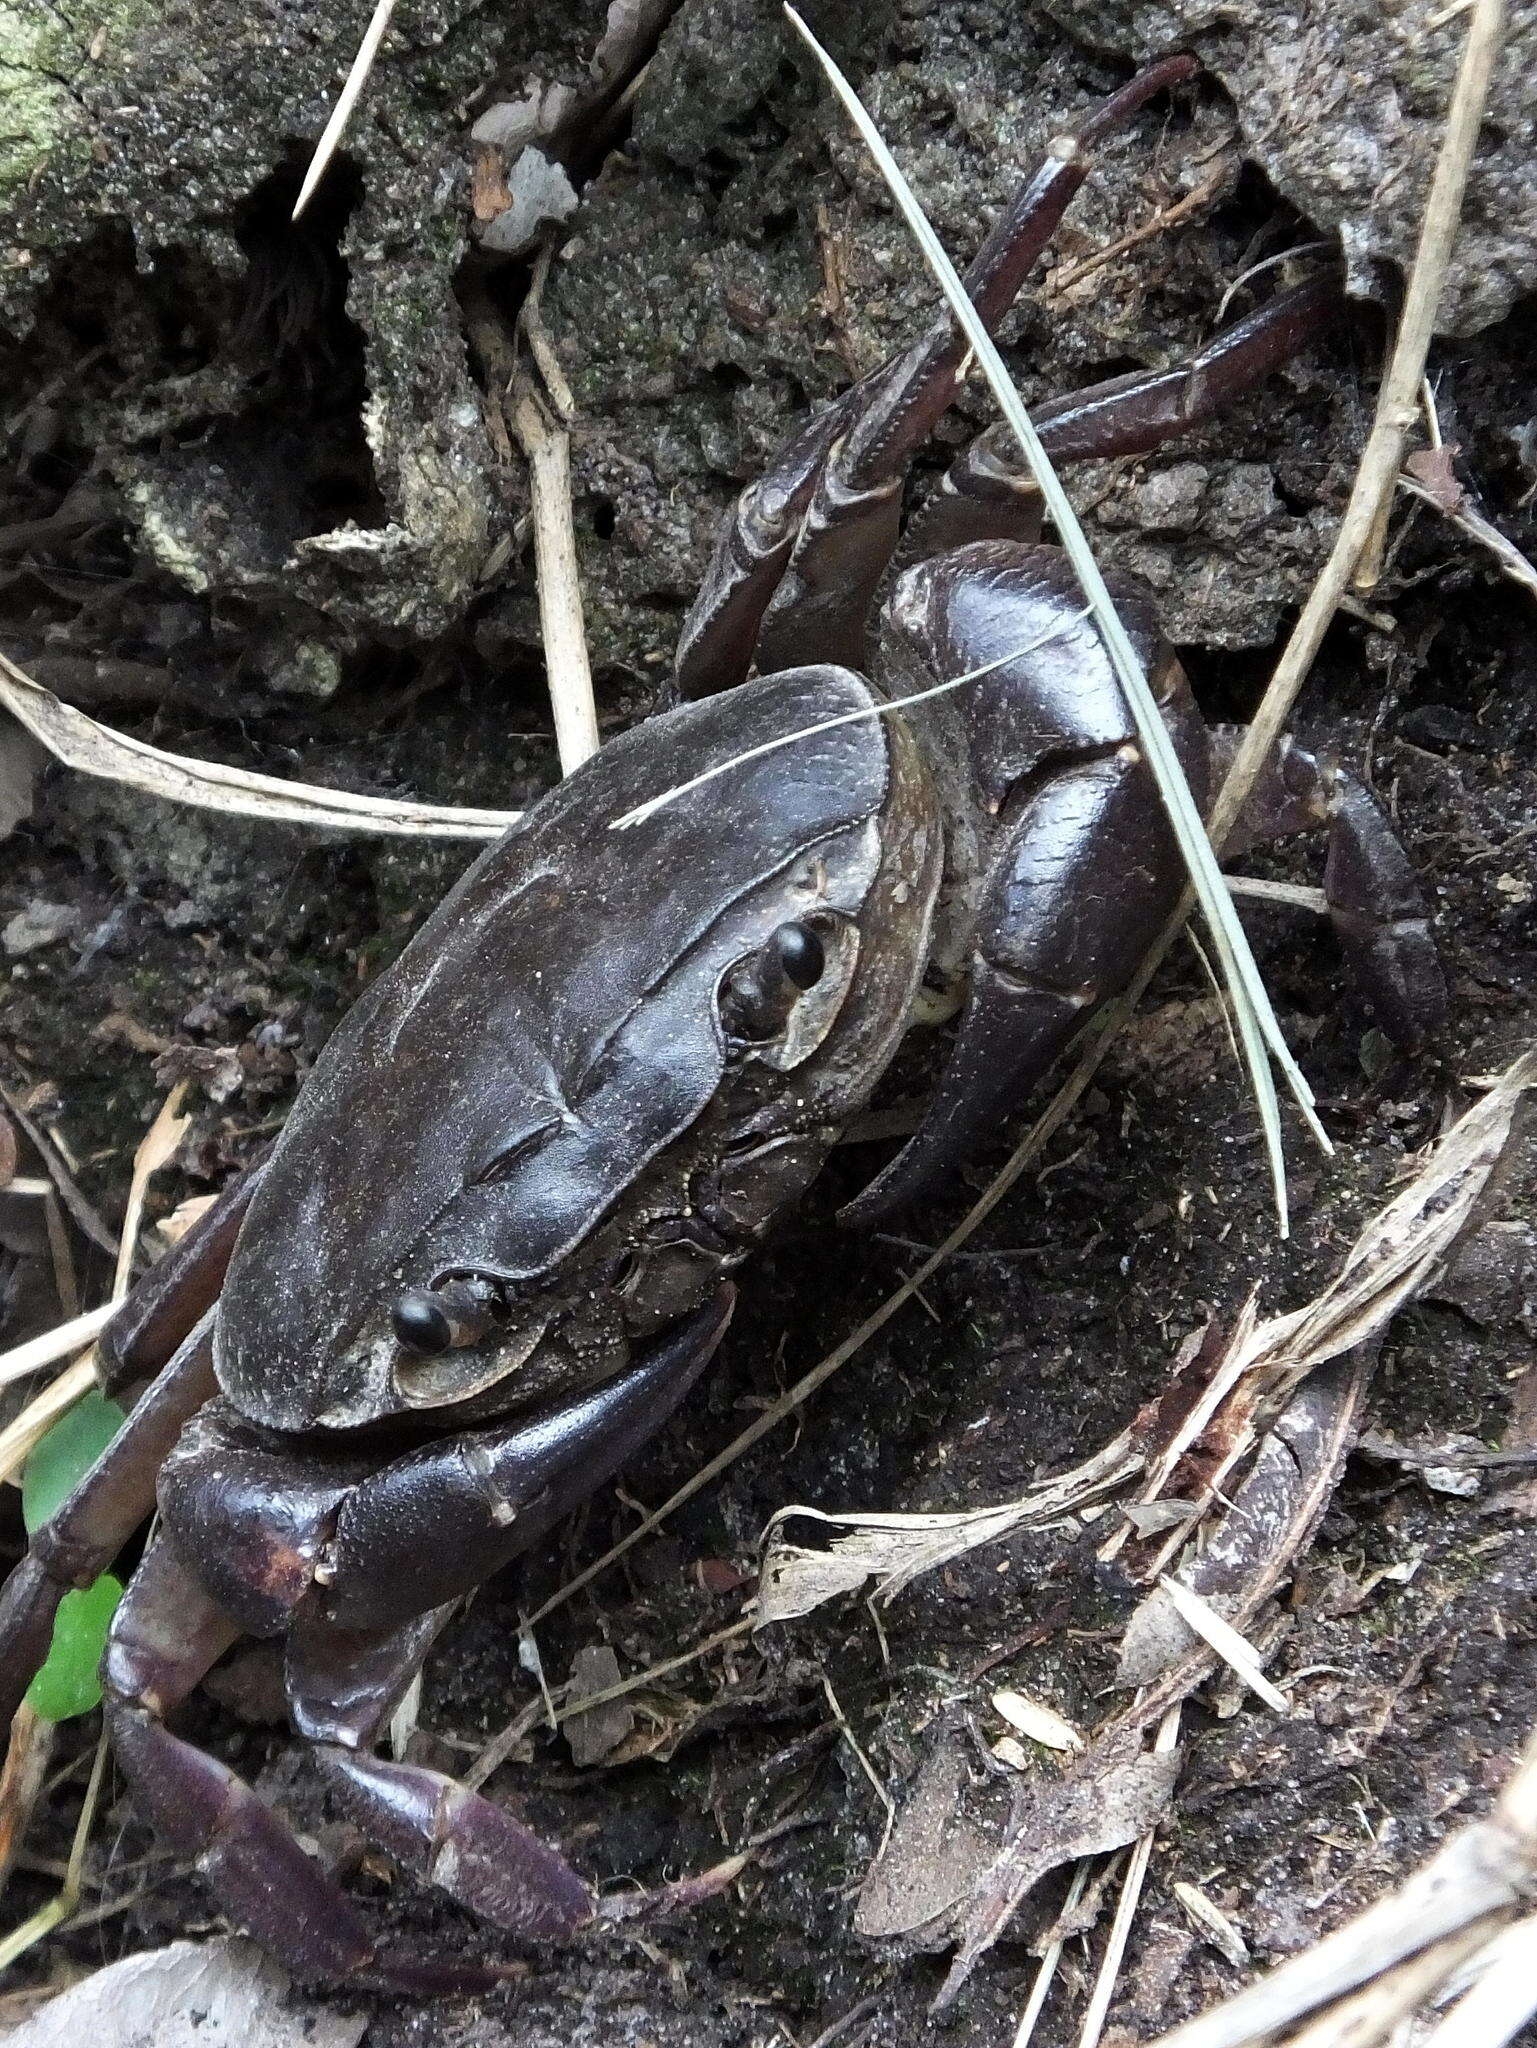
[547, 446]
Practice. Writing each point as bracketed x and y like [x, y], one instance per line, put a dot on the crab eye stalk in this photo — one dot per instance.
[429, 1321]
[760, 991]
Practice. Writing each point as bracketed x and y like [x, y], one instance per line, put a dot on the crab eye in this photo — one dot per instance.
[430, 1321]
[760, 991]
[801, 954]
[420, 1324]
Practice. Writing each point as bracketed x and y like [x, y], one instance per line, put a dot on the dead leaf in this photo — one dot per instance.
[90, 748]
[488, 181]
[1432, 470]
[933, 1862]
[173, 1228]
[21, 762]
[594, 1732]
[1254, 1541]
[1114, 1794]
[215, 1994]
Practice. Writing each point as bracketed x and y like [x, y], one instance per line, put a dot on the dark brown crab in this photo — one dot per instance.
[487, 1257]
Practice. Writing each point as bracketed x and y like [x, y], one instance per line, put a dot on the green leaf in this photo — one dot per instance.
[68, 1683]
[65, 1455]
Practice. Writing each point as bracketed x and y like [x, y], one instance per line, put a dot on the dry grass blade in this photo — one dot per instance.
[20, 1436]
[57, 1909]
[1257, 1026]
[1235, 1650]
[653, 804]
[90, 748]
[895, 1549]
[156, 1149]
[53, 1344]
[347, 99]
[1401, 1246]
[1098, 2007]
[1040, 1989]
[1503, 1998]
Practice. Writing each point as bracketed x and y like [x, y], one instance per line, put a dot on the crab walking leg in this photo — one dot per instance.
[1374, 897]
[1079, 866]
[176, 1293]
[77, 1543]
[832, 495]
[988, 493]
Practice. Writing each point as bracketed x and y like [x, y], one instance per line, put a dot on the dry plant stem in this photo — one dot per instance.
[49, 1916]
[155, 1150]
[1063, 280]
[1098, 2008]
[53, 1344]
[533, 330]
[1040, 1989]
[91, 748]
[347, 99]
[547, 446]
[1502, 1999]
[502, 1744]
[1510, 558]
[1397, 410]
[26, 1767]
[1374, 2014]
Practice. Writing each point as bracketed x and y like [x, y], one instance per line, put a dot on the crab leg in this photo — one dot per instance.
[78, 1542]
[165, 1635]
[988, 493]
[1373, 894]
[1081, 868]
[343, 1684]
[180, 1288]
[834, 489]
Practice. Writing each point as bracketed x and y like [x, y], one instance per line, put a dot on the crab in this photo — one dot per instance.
[492, 1249]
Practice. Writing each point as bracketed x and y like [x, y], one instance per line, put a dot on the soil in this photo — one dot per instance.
[256, 509]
